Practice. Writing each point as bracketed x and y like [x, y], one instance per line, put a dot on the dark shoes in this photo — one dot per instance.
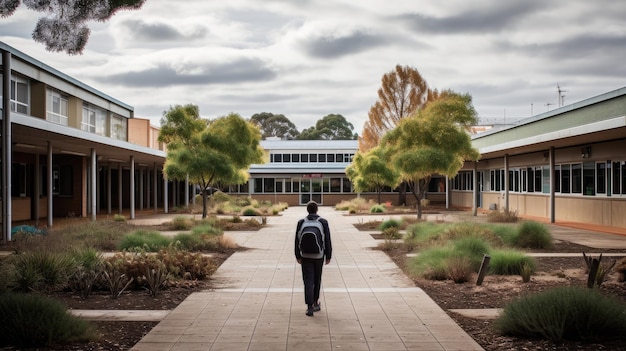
[317, 307]
[309, 311]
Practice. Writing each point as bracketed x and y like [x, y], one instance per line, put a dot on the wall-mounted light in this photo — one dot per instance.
[585, 152]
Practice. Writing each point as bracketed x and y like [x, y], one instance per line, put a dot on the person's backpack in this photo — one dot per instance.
[311, 238]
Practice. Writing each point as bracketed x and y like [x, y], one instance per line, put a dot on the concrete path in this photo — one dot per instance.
[258, 303]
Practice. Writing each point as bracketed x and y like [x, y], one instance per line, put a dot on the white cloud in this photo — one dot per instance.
[306, 59]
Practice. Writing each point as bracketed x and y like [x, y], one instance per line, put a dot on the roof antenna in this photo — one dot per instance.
[561, 96]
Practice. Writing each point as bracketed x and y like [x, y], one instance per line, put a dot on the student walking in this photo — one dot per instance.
[312, 248]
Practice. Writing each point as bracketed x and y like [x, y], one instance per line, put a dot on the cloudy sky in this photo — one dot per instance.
[307, 59]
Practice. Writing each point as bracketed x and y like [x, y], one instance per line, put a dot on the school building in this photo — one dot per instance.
[71, 150]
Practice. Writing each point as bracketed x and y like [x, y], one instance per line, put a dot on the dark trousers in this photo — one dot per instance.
[312, 276]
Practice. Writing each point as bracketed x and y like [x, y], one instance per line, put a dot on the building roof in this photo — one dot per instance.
[338, 145]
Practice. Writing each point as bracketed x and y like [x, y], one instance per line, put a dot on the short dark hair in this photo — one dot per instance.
[311, 207]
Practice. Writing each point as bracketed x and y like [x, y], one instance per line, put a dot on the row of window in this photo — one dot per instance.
[294, 185]
[588, 178]
[306, 158]
[94, 119]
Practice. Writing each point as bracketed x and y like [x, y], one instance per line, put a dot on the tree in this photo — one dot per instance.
[433, 141]
[370, 171]
[272, 125]
[211, 153]
[64, 28]
[403, 91]
[330, 127]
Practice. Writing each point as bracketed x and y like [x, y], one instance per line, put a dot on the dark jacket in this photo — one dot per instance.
[328, 246]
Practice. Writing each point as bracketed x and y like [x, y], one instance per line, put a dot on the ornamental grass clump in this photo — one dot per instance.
[510, 262]
[533, 235]
[390, 223]
[30, 320]
[565, 313]
[377, 208]
[148, 240]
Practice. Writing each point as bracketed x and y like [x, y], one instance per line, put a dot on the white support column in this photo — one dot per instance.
[94, 170]
[7, 147]
[132, 187]
[506, 181]
[141, 190]
[553, 181]
[475, 190]
[447, 192]
[148, 192]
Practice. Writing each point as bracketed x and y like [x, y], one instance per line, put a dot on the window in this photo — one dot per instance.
[295, 157]
[557, 179]
[118, 128]
[304, 158]
[339, 158]
[347, 186]
[278, 158]
[56, 107]
[286, 157]
[577, 179]
[19, 95]
[278, 185]
[601, 177]
[545, 179]
[258, 185]
[268, 185]
[330, 158]
[313, 157]
[617, 179]
[538, 180]
[321, 158]
[93, 116]
[589, 169]
[335, 185]
[530, 179]
[565, 179]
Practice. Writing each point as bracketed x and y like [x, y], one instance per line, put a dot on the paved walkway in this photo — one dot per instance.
[258, 303]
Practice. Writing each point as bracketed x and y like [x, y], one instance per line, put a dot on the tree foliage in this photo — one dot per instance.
[403, 91]
[212, 153]
[272, 125]
[371, 171]
[433, 141]
[64, 28]
[330, 127]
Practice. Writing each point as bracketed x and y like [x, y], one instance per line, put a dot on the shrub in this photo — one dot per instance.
[424, 234]
[505, 216]
[431, 263]
[250, 211]
[155, 278]
[207, 228]
[377, 209]
[181, 223]
[620, 268]
[390, 223]
[119, 218]
[510, 262]
[567, 313]
[471, 230]
[533, 235]
[36, 321]
[392, 233]
[151, 241]
[187, 265]
[472, 250]
[460, 269]
[114, 277]
[42, 271]
[506, 233]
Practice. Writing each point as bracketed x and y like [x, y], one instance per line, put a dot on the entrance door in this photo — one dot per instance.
[311, 189]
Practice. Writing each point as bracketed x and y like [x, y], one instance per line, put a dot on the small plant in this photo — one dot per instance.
[527, 272]
[597, 270]
[568, 313]
[392, 233]
[181, 223]
[510, 262]
[119, 218]
[114, 278]
[30, 320]
[460, 269]
[152, 241]
[533, 235]
[377, 209]
[155, 278]
[621, 269]
[504, 216]
[250, 211]
[42, 271]
[390, 223]
[83, 281]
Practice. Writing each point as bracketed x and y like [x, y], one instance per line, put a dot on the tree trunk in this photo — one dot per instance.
[379, 190]
[402, 194]
[204, 203]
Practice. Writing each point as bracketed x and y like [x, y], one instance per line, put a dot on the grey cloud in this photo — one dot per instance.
[330, 47]
[496, 17]
[243, 70]
[159, 31]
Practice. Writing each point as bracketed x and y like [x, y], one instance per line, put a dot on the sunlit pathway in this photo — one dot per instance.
[258, 303]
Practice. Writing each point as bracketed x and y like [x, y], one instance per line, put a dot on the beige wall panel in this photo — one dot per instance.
[461, 199]
[20, 209]
[138, 131]
[618, 213]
